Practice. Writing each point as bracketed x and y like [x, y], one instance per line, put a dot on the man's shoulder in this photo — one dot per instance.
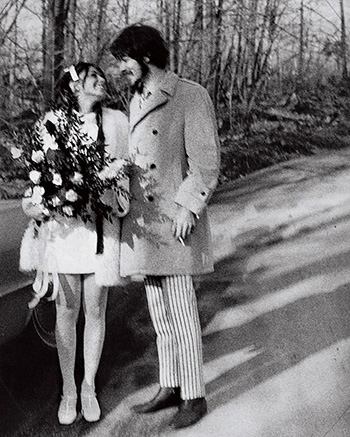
[189, 83]
[190, 86]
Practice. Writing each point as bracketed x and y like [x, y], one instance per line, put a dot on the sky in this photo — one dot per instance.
[29, 20]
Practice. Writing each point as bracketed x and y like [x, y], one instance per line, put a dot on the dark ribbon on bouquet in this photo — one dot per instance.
[101, 150]
[99, 231]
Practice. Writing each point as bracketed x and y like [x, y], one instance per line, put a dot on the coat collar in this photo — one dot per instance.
[160, 95]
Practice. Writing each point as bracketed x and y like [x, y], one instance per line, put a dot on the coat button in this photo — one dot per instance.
[154, 132]
[150, 198]
[152, 166]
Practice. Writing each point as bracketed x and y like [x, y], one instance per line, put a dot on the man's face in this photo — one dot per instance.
[132, 70]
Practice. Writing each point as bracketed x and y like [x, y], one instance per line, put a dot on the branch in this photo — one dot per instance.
[5, 12]
[2, 40]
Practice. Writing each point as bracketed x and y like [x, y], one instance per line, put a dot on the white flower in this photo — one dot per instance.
[35, 176]
[37, 156]
[28, 192]
[16, 152]
[55, 201]
[56, 179]
[49, 142]
[71, 196]
[50, 116]
[37, 195]
[68, 210]
[77, 178]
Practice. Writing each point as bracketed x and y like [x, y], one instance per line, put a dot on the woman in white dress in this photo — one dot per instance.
[65, 247]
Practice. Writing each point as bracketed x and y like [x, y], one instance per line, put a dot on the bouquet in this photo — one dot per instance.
[69, 176]
[65, 169]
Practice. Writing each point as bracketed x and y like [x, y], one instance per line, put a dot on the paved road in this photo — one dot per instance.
[14, 313]
[12, 225]
[275, 315]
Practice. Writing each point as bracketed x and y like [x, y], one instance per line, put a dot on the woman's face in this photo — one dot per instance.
[93, 85]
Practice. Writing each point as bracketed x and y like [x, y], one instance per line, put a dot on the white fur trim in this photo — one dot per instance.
[38, 253]
[29, 251]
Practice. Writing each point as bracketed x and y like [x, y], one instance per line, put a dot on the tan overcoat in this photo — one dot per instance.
[174, 144]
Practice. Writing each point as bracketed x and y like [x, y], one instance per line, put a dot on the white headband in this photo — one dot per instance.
[73, 72]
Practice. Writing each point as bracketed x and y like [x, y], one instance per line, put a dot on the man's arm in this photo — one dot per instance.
[203, 155]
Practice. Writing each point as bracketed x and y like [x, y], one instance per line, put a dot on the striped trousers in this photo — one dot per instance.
[173, 309]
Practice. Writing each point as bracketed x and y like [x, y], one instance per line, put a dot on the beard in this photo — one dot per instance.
[138, 85]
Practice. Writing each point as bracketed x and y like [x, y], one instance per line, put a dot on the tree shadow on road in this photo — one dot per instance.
[291, 173]
[283, 337]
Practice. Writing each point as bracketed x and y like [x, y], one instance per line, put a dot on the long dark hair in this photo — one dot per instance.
[68, 102]
[138, 41]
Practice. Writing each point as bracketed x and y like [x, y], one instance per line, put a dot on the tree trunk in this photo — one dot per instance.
[167, 31]
[198, 39]
[61, 8]
[55, 13]
[343, 42]
[176, 35]
[160, 14]
[216, 54]
[126, 11]
[48, 48]
[70, 35]
[101, 15]
[301, 47]
[13, 63]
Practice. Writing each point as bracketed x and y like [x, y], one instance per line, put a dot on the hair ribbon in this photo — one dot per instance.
[73, 72]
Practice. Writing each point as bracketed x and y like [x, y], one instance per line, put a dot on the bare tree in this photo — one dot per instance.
[6, 11]
[48, 48]
[216, 22]
[71, 32]
[101, 14]
[301, 56]
[198, 43]
[61, 9]
[126, 11]
[343, 41]
[176, 31]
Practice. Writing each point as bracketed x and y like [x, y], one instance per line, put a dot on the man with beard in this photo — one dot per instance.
[166, 236]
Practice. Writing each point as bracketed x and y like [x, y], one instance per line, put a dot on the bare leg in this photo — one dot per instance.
[94, 305]
[67, 307]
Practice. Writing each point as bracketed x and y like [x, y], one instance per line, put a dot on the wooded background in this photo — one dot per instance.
[277, 70]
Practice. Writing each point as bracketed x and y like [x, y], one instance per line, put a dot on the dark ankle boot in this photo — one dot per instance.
[165, 398]
[190, 412]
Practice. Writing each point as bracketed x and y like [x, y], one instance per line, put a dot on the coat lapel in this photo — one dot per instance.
[159, 97]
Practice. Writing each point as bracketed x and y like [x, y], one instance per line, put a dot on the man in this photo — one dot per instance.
[166, 236]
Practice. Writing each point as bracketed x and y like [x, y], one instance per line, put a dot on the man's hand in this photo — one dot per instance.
[183, 223]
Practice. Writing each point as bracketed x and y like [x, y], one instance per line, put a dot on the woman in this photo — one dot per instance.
[65, 247]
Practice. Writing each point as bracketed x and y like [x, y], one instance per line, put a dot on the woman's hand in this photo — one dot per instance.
[33, 210]
[111, 171]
